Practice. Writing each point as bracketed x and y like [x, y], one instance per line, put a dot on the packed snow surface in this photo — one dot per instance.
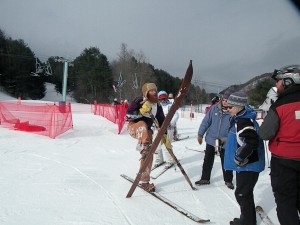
[75, 178]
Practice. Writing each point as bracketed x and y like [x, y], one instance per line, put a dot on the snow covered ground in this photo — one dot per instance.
[75, 179]
[53, 95]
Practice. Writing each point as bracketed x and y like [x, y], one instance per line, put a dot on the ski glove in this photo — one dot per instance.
[166, 141]
[146, 107]
[200, 140]
[223, 141]
[241, 155]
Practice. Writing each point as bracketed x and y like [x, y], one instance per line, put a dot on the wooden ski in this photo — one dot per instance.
[181, 93]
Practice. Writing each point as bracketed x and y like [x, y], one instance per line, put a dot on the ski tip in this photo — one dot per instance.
[191, 63]
[189, 71]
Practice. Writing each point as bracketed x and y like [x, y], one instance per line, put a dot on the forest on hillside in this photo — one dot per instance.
[91, 77]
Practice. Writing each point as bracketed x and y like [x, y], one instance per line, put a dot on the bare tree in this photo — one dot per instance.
[134, 70]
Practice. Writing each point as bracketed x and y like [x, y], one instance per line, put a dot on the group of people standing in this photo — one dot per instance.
[231, 131]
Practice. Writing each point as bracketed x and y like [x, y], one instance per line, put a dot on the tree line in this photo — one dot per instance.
[91, 77]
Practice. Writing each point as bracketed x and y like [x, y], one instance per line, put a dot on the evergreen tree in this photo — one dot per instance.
[17, 65]
[92, 76]
[259, 93]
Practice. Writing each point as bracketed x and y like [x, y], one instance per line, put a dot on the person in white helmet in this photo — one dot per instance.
[160, 155]
[175, 134]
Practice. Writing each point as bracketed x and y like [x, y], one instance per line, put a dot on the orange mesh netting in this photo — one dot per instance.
[41, 118]
[114, 113]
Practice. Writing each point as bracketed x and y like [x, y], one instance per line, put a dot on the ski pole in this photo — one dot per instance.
[266, 152]
[165, 140]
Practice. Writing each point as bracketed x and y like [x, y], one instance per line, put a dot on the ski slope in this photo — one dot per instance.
[75, 179]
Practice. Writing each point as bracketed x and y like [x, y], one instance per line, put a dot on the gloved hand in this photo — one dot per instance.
[166, 141]
[200, 140]
[223, 141]
[239, 161]
[146, 107]
[239, 157]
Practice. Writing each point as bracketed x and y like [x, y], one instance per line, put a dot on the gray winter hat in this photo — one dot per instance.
[237, 99]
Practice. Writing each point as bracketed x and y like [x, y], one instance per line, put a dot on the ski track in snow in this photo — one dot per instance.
[129, 222]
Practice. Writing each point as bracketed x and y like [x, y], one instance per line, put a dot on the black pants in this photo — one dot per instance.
[209, 161]
[245, 182]
[285, 181]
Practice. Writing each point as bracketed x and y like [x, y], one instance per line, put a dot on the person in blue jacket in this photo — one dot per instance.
[215, 127]
[244, 153]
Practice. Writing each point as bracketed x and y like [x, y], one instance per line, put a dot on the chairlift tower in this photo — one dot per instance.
[135, 84]
[65, 76]
[120, 84]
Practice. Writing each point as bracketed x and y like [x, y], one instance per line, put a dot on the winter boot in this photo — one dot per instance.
[148, 187]
[229, 185]
[235, 221]
[202, 182]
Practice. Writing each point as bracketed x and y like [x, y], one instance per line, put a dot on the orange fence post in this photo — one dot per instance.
[191, 111]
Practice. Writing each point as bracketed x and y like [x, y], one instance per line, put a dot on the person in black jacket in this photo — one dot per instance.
[244, 153]
[139, 114]
[281, 127]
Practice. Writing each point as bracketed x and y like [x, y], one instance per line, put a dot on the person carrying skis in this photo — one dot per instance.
[139, 114]
[215, 125]
[159, 154]
[281, 127]
[244, 153]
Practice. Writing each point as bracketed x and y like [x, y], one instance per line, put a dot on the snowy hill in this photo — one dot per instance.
[51, 95]
[75, 179]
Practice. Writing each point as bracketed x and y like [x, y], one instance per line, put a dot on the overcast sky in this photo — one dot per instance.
[229, 41]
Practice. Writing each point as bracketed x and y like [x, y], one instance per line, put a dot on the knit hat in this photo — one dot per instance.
[238, 99]
[162, 95]
[147, 87]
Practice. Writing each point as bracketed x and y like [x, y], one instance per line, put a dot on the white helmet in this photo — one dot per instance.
[290, 75]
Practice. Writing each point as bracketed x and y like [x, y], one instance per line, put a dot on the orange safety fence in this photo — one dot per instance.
[114, 113]
[40, 118]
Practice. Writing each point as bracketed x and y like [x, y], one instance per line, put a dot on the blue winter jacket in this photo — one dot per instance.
[257, 157]
[215, 124]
